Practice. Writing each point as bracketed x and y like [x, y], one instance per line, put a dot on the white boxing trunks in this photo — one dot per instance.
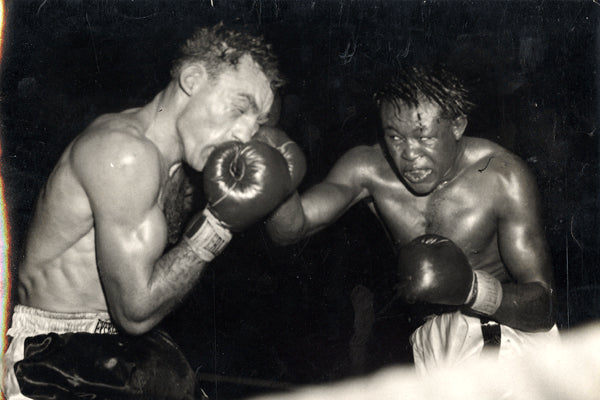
[449, 340]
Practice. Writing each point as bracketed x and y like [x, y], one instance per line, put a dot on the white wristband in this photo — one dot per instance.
[206, 236]
[487, 293]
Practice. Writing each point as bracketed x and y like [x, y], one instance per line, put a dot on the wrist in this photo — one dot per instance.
[206, 235]
[486, 293]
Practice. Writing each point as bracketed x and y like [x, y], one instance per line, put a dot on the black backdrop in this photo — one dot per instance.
[277, 314]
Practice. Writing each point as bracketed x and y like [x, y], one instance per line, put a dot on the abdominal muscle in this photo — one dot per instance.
[68, 283]
[59, 272]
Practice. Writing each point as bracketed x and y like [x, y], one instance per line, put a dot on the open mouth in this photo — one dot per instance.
[417, 175]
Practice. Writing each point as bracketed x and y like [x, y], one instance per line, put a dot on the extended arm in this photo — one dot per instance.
[303, 215]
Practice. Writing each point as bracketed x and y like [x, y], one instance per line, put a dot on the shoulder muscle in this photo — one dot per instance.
[357, 167]
[118, 170]
[516, 186]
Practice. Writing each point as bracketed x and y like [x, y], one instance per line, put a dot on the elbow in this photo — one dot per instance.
[135, 328]
[546, 316]
[548, 325]
[532, 324]
[544, 321]
[549, 313]
[550, 318]
[134, 323]
[542, 325]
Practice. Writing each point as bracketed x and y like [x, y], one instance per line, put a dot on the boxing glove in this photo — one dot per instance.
[288, 148]
[243, 182]
[433, 269]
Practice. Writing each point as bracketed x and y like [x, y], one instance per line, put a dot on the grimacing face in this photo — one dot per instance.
[232, 107]
[422, 144]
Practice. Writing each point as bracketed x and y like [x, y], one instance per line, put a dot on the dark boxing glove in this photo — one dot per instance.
[284, 223]
[288, 148]
[243, 183]
[433, 269]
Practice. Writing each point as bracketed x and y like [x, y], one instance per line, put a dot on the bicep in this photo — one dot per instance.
[130, 229]
[521, 237]
[327, 201]
[127, 249]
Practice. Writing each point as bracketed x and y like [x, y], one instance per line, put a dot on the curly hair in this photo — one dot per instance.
[218, 48]
[408, 84]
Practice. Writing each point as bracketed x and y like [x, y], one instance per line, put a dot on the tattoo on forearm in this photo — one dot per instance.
[177, 271]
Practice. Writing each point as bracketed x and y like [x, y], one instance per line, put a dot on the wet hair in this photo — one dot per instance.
[219, 48]
[410, 84]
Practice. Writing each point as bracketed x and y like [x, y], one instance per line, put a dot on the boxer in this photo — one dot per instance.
[97, 276]
[426, 178]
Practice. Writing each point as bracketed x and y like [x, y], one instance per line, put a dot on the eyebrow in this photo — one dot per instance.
[263, 117]
[251, 101]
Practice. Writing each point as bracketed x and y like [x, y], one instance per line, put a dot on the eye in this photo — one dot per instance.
[239, 109]
[396, 138]
[426, 139]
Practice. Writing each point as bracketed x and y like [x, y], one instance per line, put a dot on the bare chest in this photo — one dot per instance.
[460, 212]
[174, 202]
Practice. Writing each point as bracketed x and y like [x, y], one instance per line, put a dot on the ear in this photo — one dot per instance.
[192, 77]
[458, 127]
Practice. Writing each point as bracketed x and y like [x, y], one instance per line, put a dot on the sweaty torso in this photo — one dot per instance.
[464, 209]
[59, 271]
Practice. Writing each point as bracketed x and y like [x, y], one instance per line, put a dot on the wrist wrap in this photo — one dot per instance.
[206, 235]
[486, 293]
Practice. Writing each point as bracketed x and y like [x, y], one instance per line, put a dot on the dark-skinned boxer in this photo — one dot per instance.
[426, 177]
[97, 276]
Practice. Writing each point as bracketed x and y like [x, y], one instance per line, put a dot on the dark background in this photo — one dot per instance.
[263, 315]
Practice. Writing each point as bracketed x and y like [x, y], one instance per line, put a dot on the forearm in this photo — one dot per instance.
[301, 216]
[173, 276]
[526, 306]
[160, 280]
[287, 224]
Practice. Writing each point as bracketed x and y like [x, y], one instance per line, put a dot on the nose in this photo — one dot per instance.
[411, 150]
[244, 129]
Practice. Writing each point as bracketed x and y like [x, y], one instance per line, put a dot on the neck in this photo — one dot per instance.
[162, 114]
[456, 166]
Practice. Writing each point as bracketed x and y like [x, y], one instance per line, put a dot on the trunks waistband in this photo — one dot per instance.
[31, 321]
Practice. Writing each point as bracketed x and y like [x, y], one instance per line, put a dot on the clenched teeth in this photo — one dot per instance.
[417, 175]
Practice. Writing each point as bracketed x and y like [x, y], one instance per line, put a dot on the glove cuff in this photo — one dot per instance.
[473, 293]
[206, 236]
[486, 293]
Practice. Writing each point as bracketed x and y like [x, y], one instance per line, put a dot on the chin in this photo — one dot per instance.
[199, 161]
[420, 188]
[197, 164]
[419, 191]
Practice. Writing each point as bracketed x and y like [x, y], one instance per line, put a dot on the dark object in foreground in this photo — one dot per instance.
[86, 365]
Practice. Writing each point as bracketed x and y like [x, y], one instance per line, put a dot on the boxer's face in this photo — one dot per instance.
[421, 143]
[228, 107]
